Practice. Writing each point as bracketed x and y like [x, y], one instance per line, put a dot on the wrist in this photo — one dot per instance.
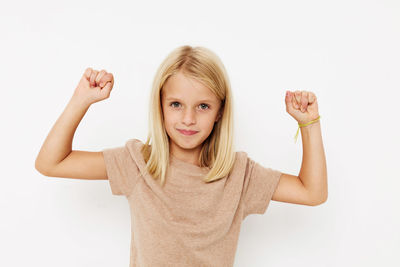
[307, 126]
[311, 125]
[308, 122]
[79, 102]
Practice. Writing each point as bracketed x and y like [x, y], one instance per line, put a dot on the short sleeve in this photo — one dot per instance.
[122, 170]
[259, 186]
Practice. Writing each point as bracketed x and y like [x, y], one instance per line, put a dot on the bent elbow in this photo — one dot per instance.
[320, 201]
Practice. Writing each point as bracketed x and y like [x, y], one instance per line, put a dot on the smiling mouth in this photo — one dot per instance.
[187, 132]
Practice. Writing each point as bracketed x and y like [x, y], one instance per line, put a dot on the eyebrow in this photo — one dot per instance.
[174, 98]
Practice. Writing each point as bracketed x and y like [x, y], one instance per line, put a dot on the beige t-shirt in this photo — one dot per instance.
[187, 222]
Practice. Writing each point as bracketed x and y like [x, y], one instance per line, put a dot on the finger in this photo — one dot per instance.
[106, 89]
[311, 97]
[288, 98]
[304, 100]
[297, 99]
[93, 77]
[88, 72]
[290, 101]
[297, 95]
[107, 78]
[100, 75]
[111, 78]
[294, 101]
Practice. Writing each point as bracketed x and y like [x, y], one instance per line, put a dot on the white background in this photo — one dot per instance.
[346, 52]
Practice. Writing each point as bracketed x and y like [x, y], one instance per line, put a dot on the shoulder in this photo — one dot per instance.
[241, 157]
[128, 153]
[133, 142]
[246, 163]
[241, 162]
[133, 145]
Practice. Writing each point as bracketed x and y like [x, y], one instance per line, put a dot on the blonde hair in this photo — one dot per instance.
[217, 151]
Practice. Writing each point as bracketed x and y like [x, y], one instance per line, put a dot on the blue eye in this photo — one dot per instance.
[172, 104]
[204, 106]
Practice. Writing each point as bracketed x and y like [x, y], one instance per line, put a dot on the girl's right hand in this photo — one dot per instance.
[94, 86]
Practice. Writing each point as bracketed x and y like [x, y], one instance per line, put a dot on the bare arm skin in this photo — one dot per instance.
[56, 157]
[310, 187]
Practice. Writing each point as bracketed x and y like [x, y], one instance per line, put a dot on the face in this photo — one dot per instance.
[188, 105]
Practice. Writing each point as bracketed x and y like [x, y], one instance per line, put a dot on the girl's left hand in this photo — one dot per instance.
[302, 106]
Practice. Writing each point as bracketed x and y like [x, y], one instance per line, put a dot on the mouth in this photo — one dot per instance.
[187, 132]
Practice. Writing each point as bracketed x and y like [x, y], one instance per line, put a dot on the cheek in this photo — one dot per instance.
[208, 122]
[169, 118]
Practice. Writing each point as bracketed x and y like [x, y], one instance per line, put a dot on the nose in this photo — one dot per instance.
[189, 117]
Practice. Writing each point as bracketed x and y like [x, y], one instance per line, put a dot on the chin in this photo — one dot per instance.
[187, 143]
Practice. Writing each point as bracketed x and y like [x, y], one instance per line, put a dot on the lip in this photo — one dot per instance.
[187, 132]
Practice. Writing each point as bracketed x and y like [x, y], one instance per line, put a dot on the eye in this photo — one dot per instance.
[205, 105]
[172, 104]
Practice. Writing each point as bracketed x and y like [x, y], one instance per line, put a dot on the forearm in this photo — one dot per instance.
[58, 144]
[313, 171]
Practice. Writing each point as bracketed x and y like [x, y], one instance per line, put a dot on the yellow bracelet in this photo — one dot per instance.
[305, 124]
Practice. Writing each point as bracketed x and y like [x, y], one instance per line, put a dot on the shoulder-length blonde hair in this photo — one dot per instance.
[217, 151]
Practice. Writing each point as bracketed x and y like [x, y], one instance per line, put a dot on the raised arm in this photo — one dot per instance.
[310, 187]
[56, 157]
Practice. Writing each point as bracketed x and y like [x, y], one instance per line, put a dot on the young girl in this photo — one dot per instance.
[187, 187]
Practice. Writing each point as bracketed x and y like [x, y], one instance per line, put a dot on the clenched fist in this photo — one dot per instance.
[94, 86]
[302, 106]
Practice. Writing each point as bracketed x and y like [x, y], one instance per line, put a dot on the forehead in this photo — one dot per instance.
[182, 87]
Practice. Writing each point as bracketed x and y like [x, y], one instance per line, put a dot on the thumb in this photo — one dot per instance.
[288, 100]
[85, 78]
[106, 90]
